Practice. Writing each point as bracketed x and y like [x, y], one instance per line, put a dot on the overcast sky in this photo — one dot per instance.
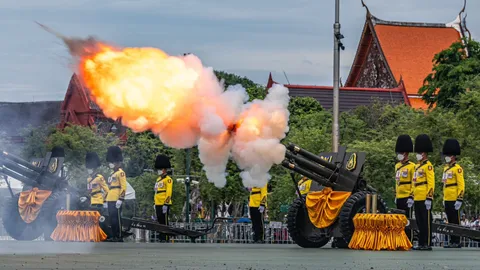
[249, 38]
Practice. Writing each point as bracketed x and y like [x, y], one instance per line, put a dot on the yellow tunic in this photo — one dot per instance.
[117, 183]
[403, 179]
[163, 191]
[95, 187]
[453, 183]
[258, 197]
[424, 181]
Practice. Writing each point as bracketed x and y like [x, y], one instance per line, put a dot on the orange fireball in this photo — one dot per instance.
[146, 87]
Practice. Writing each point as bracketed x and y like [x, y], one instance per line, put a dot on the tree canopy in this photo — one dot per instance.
[453, 72]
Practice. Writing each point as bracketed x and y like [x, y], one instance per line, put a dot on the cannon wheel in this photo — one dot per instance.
[355, 204]
[14, 224]
[297, 224]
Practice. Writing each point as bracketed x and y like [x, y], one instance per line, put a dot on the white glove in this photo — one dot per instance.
[410, 202]
[164, 209]
[118, 204]
[443, 202]
[395, 201]
[105, 205]
[458, 204]
[261, 208]
[83, 199]
[428, 204]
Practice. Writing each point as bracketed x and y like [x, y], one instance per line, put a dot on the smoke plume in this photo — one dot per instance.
[185, 105]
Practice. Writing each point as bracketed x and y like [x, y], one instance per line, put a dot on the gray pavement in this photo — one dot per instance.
[51, 255]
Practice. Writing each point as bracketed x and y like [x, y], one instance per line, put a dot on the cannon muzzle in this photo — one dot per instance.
[296, 149]
[329, 175]
[292, 166]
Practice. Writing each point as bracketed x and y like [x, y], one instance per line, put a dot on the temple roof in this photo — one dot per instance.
[408, 47]
[76, 84]
[350, 97]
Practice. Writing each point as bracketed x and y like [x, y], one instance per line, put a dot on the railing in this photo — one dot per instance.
[240, 233]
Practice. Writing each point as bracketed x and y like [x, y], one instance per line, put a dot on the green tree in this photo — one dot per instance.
[453, 67]
[36, 139]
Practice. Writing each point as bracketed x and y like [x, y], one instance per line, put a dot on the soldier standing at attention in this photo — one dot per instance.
[257, 204]
[404, 170]
[304, 185]
[424, 185]
[453, 187]
[95, 182]
[117, 184]
[163, 192]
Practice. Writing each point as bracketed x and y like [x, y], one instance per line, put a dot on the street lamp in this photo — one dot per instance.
[336, 75]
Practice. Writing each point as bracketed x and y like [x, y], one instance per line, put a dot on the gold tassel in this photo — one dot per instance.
[380, 232]
[78, 226]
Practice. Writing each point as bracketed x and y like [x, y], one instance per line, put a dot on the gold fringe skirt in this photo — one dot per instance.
[78, 226]
[380, 232]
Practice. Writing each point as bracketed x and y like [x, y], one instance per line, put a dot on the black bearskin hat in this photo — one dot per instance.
[404, 144]
[162, 162]
[92, 161]
[58, 151]
[423, 144]
[114, 154]
[451, 147]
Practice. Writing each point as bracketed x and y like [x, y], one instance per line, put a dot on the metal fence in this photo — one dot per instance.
[241, 233]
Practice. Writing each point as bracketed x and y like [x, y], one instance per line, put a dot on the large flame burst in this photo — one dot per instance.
[185, 105]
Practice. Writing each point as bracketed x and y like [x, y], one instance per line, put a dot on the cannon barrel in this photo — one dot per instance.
[296, 149]
[291, 166]
[27, 173]
[330, 175]
[18, 177]
[21, 161]
[19, 169]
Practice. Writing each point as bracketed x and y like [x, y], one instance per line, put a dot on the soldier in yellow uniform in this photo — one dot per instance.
[304, 185]
[257, 204]
[424, 186]
[453, 187]
[163, 191]
[117, 184]
[404, 170]
[96, 184]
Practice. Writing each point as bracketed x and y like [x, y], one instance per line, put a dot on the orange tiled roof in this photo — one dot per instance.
[409, 50]
[418, 103]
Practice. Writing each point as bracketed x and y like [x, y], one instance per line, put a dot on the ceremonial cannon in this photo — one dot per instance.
[313, 221]
[341, 173]
[46, 191]
[32, 212]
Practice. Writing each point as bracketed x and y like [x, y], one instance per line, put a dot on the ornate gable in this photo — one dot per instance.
[390, 51]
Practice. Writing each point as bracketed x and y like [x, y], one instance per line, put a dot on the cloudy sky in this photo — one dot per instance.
[249, 38]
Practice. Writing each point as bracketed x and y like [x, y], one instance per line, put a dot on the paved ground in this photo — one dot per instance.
[41, 255]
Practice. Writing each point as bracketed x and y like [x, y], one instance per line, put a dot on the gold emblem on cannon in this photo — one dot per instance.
[53, 165]
[352, 162]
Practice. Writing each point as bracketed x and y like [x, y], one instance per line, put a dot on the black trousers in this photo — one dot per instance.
[424, 223]
[162, 219]
[257, 224]
[114, 215]
[453, 217]
[402, 205]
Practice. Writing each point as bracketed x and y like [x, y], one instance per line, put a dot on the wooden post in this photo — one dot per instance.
[374, 203]
[368, 203]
